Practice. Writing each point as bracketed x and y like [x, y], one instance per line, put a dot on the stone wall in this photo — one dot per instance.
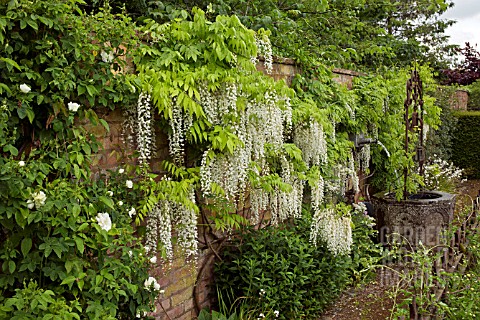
[187, 286]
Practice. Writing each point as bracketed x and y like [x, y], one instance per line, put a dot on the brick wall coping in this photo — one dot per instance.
[348, 72]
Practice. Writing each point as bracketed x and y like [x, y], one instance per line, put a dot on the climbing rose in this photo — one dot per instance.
[73, 106]
[131, 212]
[25, 88]
[151, 281]
[38, 200]
[103, 220]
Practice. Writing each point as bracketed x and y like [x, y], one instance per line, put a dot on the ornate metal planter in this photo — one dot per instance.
[421, 217]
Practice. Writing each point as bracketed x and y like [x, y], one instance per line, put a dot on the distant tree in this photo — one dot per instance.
[466, 72]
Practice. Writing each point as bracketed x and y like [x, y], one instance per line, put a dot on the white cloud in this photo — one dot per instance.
[467, 28]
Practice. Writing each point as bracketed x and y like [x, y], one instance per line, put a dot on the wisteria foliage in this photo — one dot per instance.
[238, 129]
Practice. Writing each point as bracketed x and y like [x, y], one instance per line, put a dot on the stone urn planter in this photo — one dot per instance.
[422, 217]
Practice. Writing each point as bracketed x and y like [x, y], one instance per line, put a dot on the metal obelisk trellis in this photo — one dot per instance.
[414, 123]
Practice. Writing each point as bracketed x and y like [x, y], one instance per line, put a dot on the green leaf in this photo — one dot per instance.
[92, 91]
[69, 280]
[11, 266]
[11, 62]
[26, 246]
[30, 114]
[80, 244]
[107, 201]
[9, 148]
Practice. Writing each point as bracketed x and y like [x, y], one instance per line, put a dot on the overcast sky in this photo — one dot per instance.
[467, 28]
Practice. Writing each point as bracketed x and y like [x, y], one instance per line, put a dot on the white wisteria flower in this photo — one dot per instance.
[129, 184]
[25, 88]
[153, 259]
[132, 212]
[73, 106]
[121, 170]
[103, 220]
[38, 200]
[21, 163]
[151, 282]
[107, 57]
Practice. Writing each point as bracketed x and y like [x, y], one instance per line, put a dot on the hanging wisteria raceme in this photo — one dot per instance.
[159, 229]
[259, 201]
[264, 48]
[145, 135]
[291, 206]
[179, 123]
[219, 103]
[352, 173]
[185, 220]
[351, 111]
[311, 140]
[129, 132]
[364, 157]
[334, 231]
[318, 194]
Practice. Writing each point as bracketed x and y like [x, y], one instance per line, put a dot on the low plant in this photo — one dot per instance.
[442, 175]
[448, 292]
[278, 273]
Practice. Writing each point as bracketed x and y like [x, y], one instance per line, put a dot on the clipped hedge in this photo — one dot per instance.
[466, 143]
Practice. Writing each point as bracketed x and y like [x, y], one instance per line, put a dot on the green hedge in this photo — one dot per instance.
[466, 143]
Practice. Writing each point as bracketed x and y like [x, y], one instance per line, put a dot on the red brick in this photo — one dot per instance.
[181, 297]
[176, 312]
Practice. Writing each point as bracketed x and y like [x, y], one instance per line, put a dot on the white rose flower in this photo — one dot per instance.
[30, 204]
[129, 184]
[153, 259]
[103, 220]
[132, 212]
[107, 57]
[109, 193]
[25, 88]
[121, 170]
[38, 200]
[21, 163]
[73, 106]
[120, 203]
[151, 281]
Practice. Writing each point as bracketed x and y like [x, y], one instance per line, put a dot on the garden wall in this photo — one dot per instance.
[187, 287]
[459, 100]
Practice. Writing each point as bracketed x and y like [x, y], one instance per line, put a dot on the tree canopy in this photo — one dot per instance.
[357, 34]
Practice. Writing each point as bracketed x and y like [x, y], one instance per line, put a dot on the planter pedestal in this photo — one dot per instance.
[422, 217]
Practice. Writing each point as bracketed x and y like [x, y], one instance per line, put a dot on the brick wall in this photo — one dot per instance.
[187, 286]
[459, 100]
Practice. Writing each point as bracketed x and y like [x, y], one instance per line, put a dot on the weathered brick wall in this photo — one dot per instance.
[345, 77]
[459, 100]
[186, 286]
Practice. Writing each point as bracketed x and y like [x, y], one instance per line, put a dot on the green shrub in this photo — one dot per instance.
[466, 143]
[474, 96]
[277, 270]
